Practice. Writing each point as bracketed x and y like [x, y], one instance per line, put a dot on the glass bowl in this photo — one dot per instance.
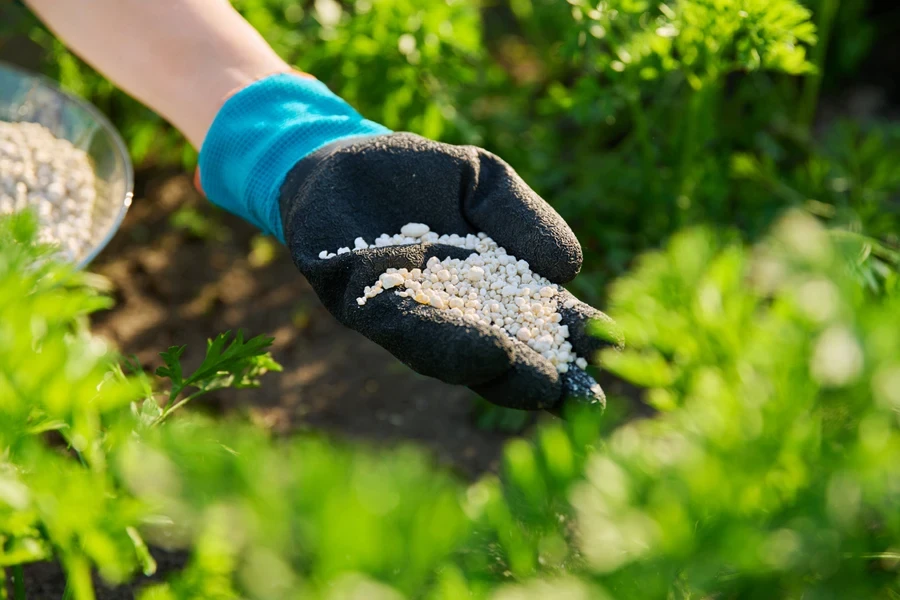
[30, 97]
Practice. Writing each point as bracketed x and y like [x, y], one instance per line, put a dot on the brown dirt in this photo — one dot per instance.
[47, 581]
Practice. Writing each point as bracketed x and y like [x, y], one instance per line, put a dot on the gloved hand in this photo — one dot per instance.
[297, 161]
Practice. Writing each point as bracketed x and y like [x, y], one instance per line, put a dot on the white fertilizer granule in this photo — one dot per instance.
[55, 179]
[490, 287]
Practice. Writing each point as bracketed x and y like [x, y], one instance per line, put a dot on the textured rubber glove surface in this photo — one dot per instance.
[258, 136]
[375, 185]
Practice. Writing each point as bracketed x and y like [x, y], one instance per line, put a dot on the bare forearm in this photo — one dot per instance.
[179, 57]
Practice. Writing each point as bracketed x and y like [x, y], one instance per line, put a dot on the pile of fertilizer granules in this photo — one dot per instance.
[55, 179]
[490, 287]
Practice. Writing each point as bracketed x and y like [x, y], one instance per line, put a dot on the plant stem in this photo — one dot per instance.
[170, 409]
[810, 97]
[79, 585]
[690, 143]
[19, 582]
[642, 132]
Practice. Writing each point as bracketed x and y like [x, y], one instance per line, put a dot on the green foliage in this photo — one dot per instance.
[58, 497]
[64, 408]
[264, 519]
[233, 363]
[201, 225]
[771, 468]
[703, 40]
[289, 520]
[769, 471]
[627, 115]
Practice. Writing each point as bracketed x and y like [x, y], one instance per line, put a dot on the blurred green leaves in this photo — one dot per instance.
[626, 115]
[289, 519]
[58, 497]
[766, 434]
[704, 39]
[771, 469]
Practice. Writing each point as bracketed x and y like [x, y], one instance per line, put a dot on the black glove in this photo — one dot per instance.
[366, 186]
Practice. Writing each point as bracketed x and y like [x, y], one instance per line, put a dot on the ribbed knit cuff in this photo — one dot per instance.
[261, 133]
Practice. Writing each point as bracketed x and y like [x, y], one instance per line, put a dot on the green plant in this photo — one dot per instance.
[119, 471]
[203, 225]
[59, 498]
[229, 362]
[65, 405]
[770, 470]
[778, 426]
[627, 115]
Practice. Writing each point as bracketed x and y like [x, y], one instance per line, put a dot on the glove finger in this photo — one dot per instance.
[436, 343]
[530, 383]
[590, 330]
[497, 201]
[579, 388]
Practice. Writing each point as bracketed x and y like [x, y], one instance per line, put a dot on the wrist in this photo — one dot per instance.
[260, 134]
[179, 57]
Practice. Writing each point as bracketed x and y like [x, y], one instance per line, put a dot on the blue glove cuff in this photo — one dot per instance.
[261, 133]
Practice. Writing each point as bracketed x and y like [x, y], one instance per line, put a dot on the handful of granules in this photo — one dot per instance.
[490, 286]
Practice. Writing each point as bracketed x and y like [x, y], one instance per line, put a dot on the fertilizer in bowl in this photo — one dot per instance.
[53, 178]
